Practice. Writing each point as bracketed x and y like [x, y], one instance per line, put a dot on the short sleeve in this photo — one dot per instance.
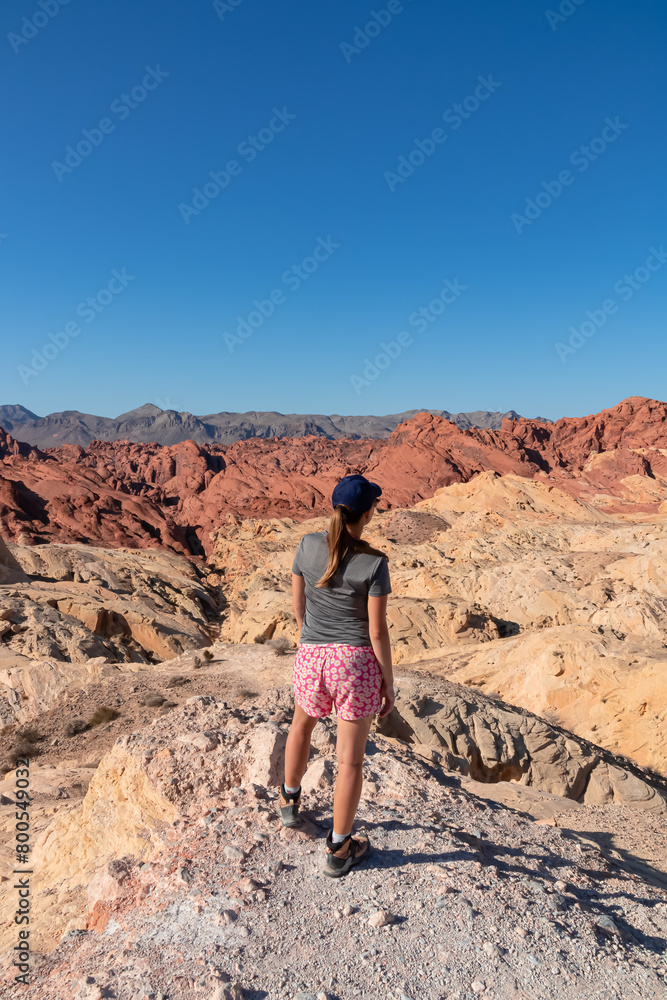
[296, 565]
[380, 583]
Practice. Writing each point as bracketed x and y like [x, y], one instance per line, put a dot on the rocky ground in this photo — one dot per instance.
[162, 869]
[462, 897]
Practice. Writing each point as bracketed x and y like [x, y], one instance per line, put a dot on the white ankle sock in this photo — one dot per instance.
[338, 838]
[291, 791]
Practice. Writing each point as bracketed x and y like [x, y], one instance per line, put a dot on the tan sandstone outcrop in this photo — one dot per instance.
[10, 569]
[608, 689]
[74, 610]
[491, 741]
[123, 814]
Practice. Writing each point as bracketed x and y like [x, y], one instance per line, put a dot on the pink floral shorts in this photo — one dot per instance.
[333, 674]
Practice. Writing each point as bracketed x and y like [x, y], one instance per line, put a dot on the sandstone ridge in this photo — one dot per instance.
[74, 613]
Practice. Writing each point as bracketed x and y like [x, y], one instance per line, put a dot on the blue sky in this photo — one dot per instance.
[334, 95]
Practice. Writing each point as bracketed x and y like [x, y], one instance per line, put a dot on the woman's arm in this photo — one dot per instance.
[379, 636]
[298, 598]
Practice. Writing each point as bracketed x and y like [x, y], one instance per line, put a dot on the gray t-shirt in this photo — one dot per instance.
[339, 612]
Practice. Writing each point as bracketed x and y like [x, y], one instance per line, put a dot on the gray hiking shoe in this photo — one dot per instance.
[341, 857]
[288, 805]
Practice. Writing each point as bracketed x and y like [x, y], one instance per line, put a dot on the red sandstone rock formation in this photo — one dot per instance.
[58, 496]
[145, 495]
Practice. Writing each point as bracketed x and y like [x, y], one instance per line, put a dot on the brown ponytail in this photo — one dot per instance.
[340, 541]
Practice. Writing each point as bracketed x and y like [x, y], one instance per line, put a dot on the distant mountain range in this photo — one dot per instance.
[149, 423]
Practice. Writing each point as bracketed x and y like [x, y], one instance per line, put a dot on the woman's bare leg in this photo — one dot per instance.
[350, 751]
[297, 747]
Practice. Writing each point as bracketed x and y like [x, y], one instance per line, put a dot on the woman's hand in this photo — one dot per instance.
[388, 699]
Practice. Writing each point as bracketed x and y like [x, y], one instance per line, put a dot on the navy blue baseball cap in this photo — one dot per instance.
[357, 493]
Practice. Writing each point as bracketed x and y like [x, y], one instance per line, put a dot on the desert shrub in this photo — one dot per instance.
[30, 734]
[25, 745]
[75, 727]
[20, 750]
[208, 655]
[177, 680]
[281, 645]
[151, 698]
[196, 663]
[118, 868]
[155, 700]
[102, 714]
